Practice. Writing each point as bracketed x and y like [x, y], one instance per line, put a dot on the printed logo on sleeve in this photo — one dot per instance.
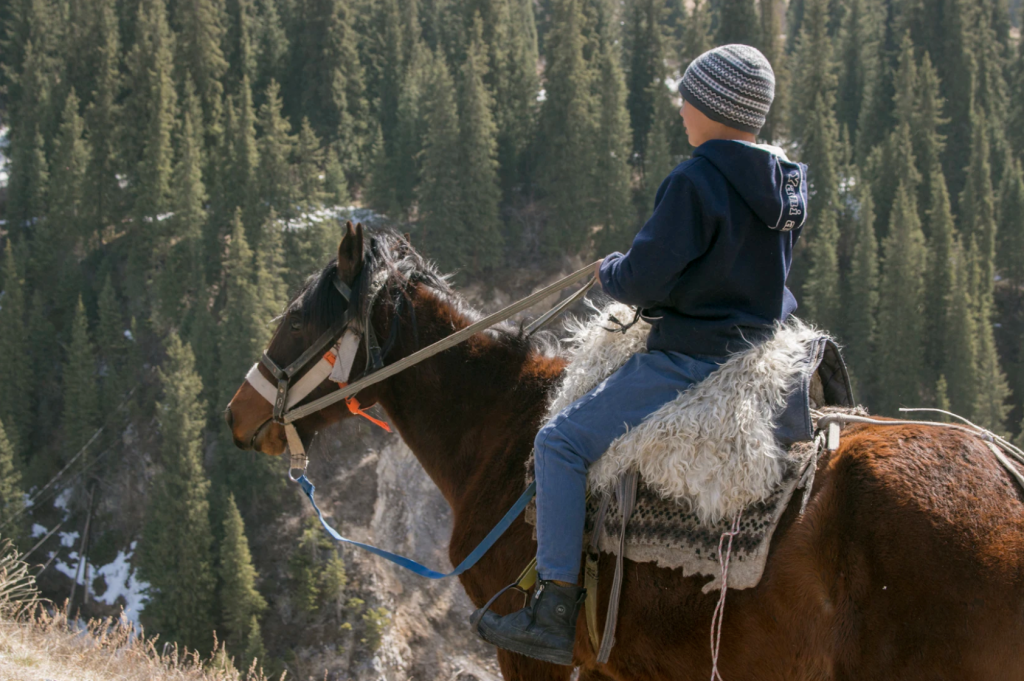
[796, 210]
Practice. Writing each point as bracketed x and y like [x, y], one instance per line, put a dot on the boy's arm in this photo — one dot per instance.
[675, 235]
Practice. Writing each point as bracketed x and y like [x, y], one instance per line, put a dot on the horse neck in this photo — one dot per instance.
[472, 410]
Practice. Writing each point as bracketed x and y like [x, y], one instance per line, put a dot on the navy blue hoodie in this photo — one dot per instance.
[709, 268]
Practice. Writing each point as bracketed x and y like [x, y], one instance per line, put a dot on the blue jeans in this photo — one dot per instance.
[577, 437]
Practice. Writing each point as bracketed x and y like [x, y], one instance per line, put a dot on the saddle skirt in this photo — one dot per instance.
[740, 442]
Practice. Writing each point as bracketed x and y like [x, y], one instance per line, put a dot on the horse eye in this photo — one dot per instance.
[296, 326]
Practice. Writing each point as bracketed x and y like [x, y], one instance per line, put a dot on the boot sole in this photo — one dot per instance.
[552, 655]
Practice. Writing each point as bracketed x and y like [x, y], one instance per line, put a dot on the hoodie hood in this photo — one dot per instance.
[774, 187]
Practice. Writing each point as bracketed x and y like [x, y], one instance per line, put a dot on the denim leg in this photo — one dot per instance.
[577, 437]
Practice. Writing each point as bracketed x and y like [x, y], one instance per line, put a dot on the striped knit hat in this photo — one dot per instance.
[731, 84]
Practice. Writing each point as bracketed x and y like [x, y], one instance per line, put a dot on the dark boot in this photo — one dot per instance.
[544, 630]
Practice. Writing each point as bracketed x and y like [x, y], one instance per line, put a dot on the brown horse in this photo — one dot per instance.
[908, 562]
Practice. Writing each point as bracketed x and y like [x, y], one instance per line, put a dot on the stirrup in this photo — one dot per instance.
[479, 614]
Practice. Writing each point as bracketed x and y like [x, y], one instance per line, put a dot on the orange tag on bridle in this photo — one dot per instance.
[352, 403]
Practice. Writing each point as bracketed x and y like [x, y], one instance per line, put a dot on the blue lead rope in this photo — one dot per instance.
[412, 565]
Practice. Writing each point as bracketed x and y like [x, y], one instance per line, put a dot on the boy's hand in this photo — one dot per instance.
[597, 271]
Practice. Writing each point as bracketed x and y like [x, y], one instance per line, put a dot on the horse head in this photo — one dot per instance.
[331, 303]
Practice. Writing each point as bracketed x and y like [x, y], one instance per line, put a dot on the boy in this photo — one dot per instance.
[708, 270]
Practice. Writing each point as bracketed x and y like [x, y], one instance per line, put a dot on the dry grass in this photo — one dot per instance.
[40, 643]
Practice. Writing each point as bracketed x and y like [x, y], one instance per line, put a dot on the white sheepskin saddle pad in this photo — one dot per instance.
[736, 443]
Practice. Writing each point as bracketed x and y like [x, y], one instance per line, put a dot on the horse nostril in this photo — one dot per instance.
[228, 417]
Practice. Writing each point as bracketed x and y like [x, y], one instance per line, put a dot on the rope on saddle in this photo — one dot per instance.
[999, 446]
[626, 494]
[719, 615]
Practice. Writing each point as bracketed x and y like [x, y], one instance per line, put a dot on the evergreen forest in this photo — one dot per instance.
[174, 169]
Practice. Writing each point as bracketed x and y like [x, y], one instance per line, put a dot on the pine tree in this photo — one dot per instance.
[478, 162]
[929, 144]
[990, 406]
[30, 103]
[875, 120]
[941, 272]
[821, 289]
[45, 364]
[386, 67]
[335, 183]
[244, 334]
[70, 159]
[175, 554]
[858, 54]
[255, 652]
[241, 48]
[327, 78]
[956, 66]
[898, 161]
[977, 208]
[439, 191]
[813, 73]
[567, 125]
[154, 102]
[200, 34]
[697, 37]
[510, 36]
[645, 67]
[102, 197]
[80, 417]
[612, 147]
[270, 46]
[1011, 227]
[960, 343]
[182, 270]
[272, 270]
[275, 149]
[111, 346]
[738, 23]
[1015, 123]
[16, 399]
[244, 331]
[861, 303]
[395, 168]
[12, 498]
[308, 160]
[246, 156]
[816, 133]
[900, 323]
[774, 52]
[243, 604]
[29, 177]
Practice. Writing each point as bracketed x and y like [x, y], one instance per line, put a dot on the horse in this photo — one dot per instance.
[907, 562]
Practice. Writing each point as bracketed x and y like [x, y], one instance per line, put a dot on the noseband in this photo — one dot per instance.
[336, 348]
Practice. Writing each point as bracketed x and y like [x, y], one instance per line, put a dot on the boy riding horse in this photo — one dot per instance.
[708, 271]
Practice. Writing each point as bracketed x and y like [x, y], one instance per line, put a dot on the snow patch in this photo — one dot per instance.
[4, 144]
[119, 577]
[62, 500]
[337, 213]
[68, 539]
[38, 530]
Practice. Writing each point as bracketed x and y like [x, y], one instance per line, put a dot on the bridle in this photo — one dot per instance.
[336, 348]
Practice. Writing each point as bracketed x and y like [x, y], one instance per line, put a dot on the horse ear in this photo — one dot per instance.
[350, 253]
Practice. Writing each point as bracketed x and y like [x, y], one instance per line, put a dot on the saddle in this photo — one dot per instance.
[726, 456]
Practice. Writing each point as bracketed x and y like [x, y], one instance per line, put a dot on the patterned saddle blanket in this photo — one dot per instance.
[739, 444]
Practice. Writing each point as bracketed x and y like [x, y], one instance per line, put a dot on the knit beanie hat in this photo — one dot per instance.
[731, 84]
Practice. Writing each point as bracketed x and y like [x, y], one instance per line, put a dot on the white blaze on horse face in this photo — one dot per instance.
[346, 349]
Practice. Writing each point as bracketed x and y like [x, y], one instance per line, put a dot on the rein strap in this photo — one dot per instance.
[435, 348]
[412, 565]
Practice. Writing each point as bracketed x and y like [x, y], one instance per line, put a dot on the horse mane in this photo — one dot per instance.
[387, 249]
